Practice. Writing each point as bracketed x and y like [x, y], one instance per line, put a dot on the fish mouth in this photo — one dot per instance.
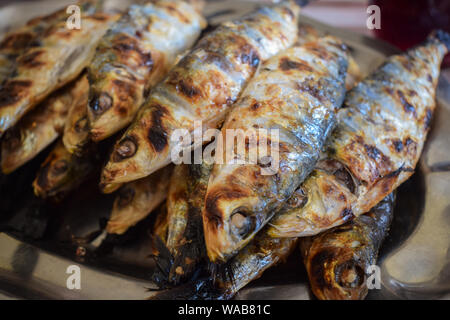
[230, 221]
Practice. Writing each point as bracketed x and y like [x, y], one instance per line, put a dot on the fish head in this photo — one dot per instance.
[234, 211]
[338, 271]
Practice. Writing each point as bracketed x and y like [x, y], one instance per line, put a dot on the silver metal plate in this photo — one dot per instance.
[38, 249]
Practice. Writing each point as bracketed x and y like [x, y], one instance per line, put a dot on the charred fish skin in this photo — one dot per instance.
[190, 251]
[337, 260]
[76, 129]
[296, 93]
[39, 128]
[184, 249]
[17, 41]
[202, 86]
[61, 172]
[376, 145]
[135, 54]
[137, 199]
[262, 253]
[73, 49]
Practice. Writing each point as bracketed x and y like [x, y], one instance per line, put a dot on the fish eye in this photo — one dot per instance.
[240, 224]
[349, 275]
[101, 103]
[126, 149]
[59, 167]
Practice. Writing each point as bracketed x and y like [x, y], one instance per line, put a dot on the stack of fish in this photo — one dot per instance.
[344, 144]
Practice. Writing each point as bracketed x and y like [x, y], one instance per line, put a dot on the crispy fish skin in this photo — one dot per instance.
[18, 40]
[337, 260]
[61, 172]
[137, 199]
[39, 128]
[296, 93]
[135, 54]
[71, 49]
[202, 87]
[376, 145]
[76, 128]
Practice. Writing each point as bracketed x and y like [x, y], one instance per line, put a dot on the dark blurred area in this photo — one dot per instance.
[405, 23]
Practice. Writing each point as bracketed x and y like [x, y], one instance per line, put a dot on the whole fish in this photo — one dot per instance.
[61, 172]
[135, 54]
[185, 243]
[39, 128]
[337, 260]
[59, 57]
[201, 87]
[376, 145]
[76, 128]
[297, 94]
[137, 199]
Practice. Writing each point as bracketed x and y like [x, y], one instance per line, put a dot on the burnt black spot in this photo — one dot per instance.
[31, 60]
[250, 56]
[186, 88]
[398, 145]
[312, 89]
[126, 148]
[319, 264]
[157, 134]
[100, 103]
[372, 152]
[406, 105]
[17, 41]
[218, 59]
[12, 91]
[286, 64]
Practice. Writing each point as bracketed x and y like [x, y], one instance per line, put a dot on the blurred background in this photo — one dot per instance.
[404, 23]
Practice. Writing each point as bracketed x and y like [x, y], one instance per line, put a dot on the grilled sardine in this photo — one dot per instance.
[337, 260]
[376, 145]
[59, 57]
[39, 128]
[135, 54]
[202, 87]
[137, 199]
[297, 94]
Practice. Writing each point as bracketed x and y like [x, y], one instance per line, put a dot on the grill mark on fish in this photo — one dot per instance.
[203, 87]
[13, 91]
[287, 64]
[157, 134]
